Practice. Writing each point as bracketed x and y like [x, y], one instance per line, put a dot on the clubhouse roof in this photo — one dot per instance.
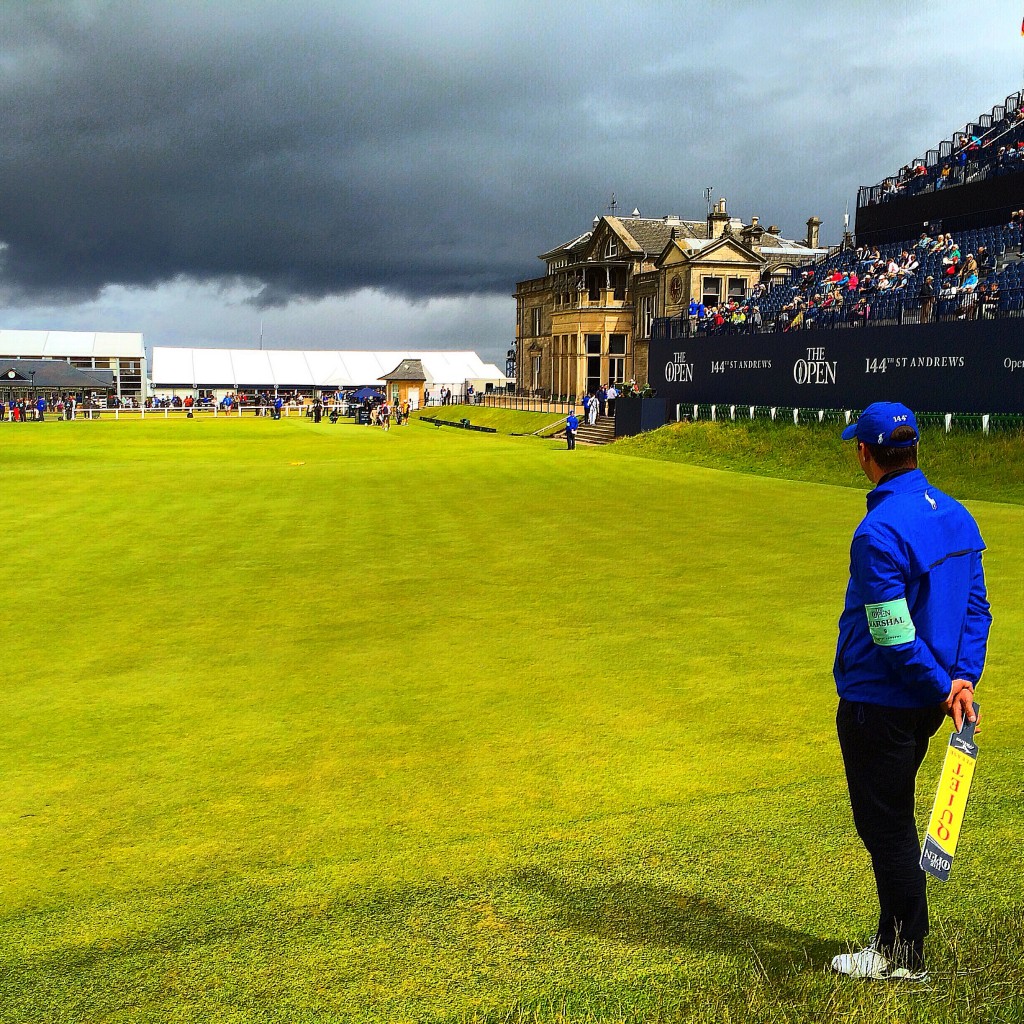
[51, 375]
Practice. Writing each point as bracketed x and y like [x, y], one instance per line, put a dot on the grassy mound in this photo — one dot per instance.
[320, 723]
[966, 465]
[505, 421]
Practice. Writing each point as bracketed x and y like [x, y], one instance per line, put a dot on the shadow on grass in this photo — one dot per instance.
[640, 913]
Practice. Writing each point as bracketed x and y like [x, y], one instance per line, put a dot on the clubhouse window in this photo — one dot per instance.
[617, 344]
[646, 315]
[593, 344]
[737, 288]
[711, 291]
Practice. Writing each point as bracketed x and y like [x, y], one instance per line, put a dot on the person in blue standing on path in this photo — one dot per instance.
[572, 424]
[40, 408]
[912, 642]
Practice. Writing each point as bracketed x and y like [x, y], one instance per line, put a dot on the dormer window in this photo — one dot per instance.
[611, 247]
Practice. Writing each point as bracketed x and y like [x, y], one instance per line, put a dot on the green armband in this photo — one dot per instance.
[890, 623]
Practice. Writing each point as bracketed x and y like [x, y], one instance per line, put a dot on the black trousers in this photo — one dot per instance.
[882, 751]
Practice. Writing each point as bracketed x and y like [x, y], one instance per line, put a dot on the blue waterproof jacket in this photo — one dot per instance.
[919, 546]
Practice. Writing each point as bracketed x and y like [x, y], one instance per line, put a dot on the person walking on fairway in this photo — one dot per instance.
[572, 424]
[912, 642]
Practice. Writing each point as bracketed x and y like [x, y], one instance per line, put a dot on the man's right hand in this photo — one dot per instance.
[960, 703]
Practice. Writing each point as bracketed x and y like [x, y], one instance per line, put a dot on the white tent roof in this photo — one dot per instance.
[62, 344]
[244, 368]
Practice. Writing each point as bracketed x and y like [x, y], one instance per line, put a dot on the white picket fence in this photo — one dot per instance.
[170, 412]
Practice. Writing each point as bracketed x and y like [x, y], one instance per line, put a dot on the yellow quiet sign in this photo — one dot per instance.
[950, 804]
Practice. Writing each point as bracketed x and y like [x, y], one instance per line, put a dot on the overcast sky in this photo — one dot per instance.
[380, 175]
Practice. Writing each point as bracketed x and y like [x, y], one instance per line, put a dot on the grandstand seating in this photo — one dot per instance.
[990, 146]
[1004, 243]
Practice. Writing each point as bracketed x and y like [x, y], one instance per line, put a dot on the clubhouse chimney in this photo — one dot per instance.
[813, 223]
[718, 220]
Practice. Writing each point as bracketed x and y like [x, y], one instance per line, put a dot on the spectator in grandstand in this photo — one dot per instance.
[852, 282]
[960, 165]
[837, 277]
[870, 260]
[945, 175]
[827, 301]
[926, 296]
[986, 263]
[951, 261]
[755, 321]
[969, 273]
[988, 301]
[925, 242]
[947, 295]
[862, 311]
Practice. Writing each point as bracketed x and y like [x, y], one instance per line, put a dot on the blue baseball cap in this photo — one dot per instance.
[877, 422]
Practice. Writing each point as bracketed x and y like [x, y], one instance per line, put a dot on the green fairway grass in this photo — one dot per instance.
[317, 723]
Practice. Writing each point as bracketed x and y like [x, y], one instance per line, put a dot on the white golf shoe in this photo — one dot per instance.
[870, 962]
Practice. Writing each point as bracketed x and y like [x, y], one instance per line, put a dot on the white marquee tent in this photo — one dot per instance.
[71, 345]
[119, 352]
[223, 369]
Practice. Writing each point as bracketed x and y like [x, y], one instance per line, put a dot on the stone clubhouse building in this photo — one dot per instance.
[588, 320]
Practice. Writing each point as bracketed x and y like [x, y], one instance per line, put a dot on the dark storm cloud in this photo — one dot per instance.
[311, 151]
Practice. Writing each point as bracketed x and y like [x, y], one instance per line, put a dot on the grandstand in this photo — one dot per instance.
[973, 179]
[976, 178]
[892, 306]
[987, 147]
[929, 294]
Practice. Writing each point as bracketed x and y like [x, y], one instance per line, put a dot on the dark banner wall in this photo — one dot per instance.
[981, 204]
[969, 367]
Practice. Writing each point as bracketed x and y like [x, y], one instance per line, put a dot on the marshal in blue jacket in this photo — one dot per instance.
[916, 614]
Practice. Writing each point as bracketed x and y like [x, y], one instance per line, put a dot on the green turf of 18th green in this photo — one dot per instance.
[320, 723]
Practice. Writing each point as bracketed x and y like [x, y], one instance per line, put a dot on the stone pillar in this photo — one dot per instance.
[718, 220]
[813, 223]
